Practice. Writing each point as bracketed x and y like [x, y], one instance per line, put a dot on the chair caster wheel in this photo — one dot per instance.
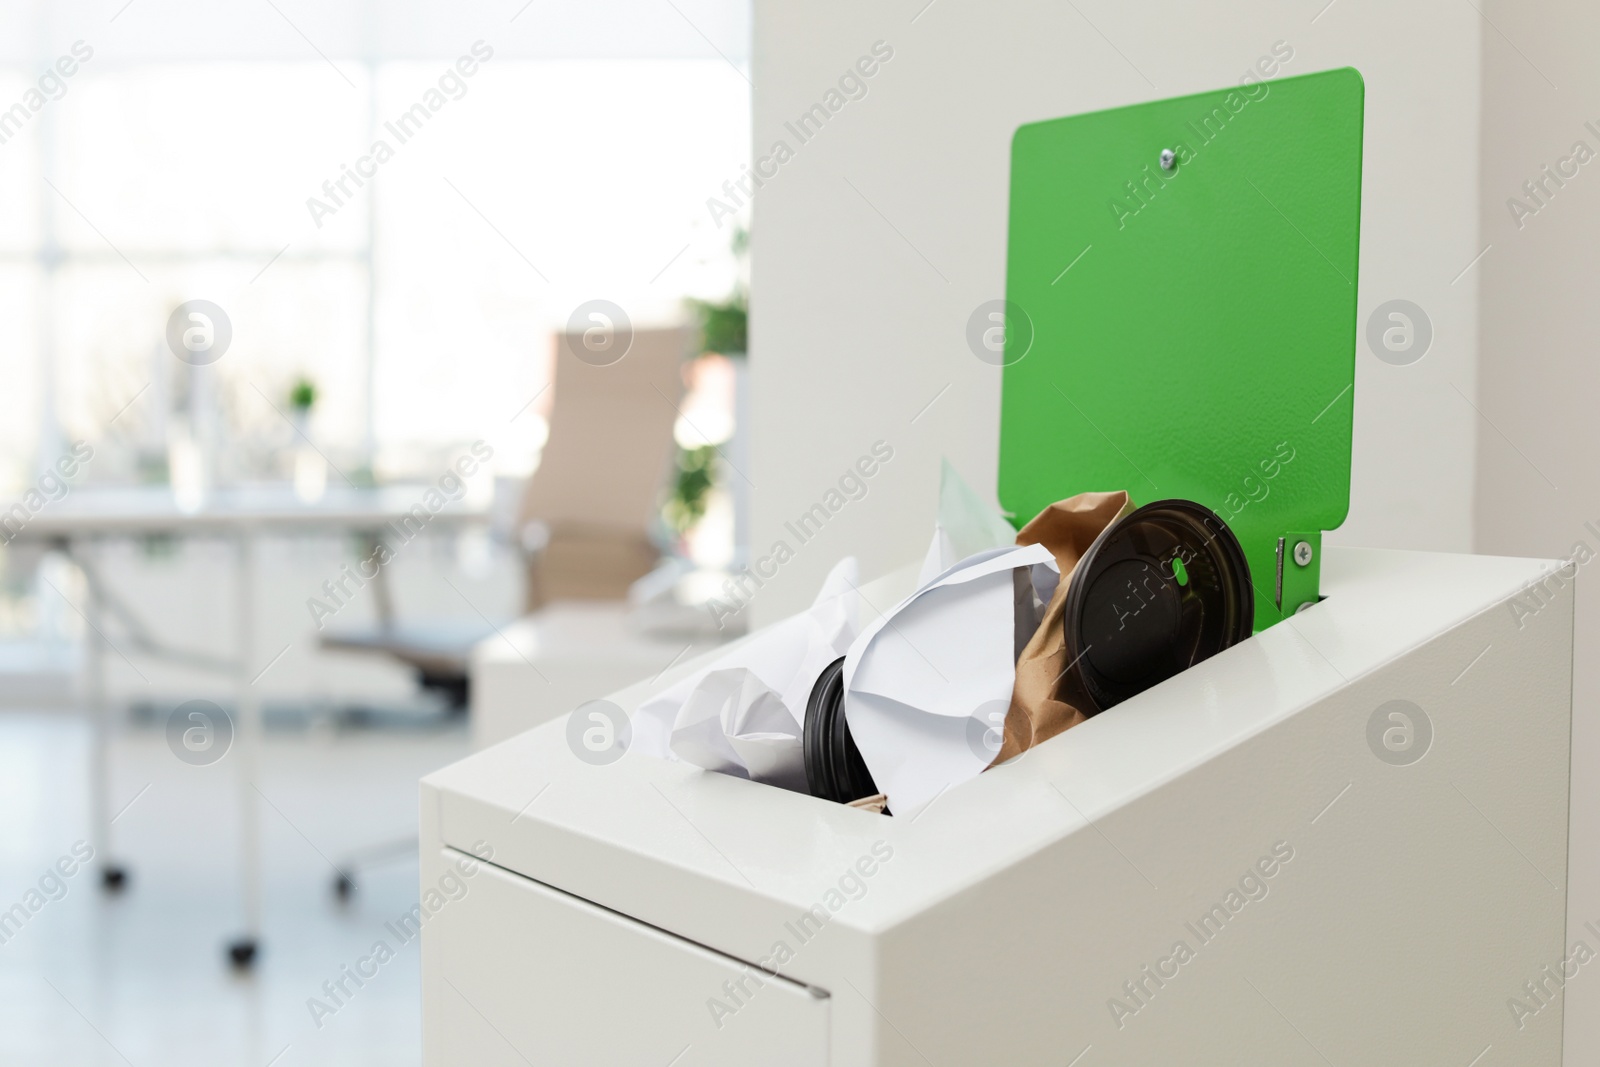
[242, 953]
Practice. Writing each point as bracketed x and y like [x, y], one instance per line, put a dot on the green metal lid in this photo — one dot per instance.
[1190, 331]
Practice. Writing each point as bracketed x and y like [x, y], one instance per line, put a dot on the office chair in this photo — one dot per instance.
[582, 527]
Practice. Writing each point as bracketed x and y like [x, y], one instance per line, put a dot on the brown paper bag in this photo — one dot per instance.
[1067, 528]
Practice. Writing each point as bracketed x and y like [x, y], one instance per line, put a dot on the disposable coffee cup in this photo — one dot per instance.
[834, 767]
[1161, 589]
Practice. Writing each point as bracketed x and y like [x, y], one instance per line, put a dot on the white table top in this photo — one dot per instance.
[154, 509]
[581, 630]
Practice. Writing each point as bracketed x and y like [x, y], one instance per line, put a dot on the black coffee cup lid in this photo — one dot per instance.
[1161, 589]
[834, 767]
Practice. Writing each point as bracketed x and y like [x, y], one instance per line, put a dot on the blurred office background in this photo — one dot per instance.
[373, 345]
[177, 164]
[578, 164]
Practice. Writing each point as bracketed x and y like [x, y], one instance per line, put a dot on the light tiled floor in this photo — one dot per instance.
[141, 978]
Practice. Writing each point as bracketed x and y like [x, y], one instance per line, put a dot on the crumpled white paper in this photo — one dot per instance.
[924, 683]
[928, 683]
[744, 714]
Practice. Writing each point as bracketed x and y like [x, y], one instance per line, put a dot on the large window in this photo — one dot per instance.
[419, 303]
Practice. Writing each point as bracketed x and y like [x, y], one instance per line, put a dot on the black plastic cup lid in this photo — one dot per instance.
[1161, 589]
[834, 767]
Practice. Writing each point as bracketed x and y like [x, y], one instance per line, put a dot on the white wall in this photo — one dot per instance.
[1540, 379]
[873, 244]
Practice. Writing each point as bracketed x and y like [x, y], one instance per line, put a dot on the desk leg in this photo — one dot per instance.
[113, 876]
[382, 596]
[247, 740]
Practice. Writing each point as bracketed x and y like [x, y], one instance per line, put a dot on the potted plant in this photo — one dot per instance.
[310, 468]
[723, 334]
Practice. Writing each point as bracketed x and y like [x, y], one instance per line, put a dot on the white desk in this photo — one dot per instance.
[545, 664]
[80, 520]
[625, 902]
